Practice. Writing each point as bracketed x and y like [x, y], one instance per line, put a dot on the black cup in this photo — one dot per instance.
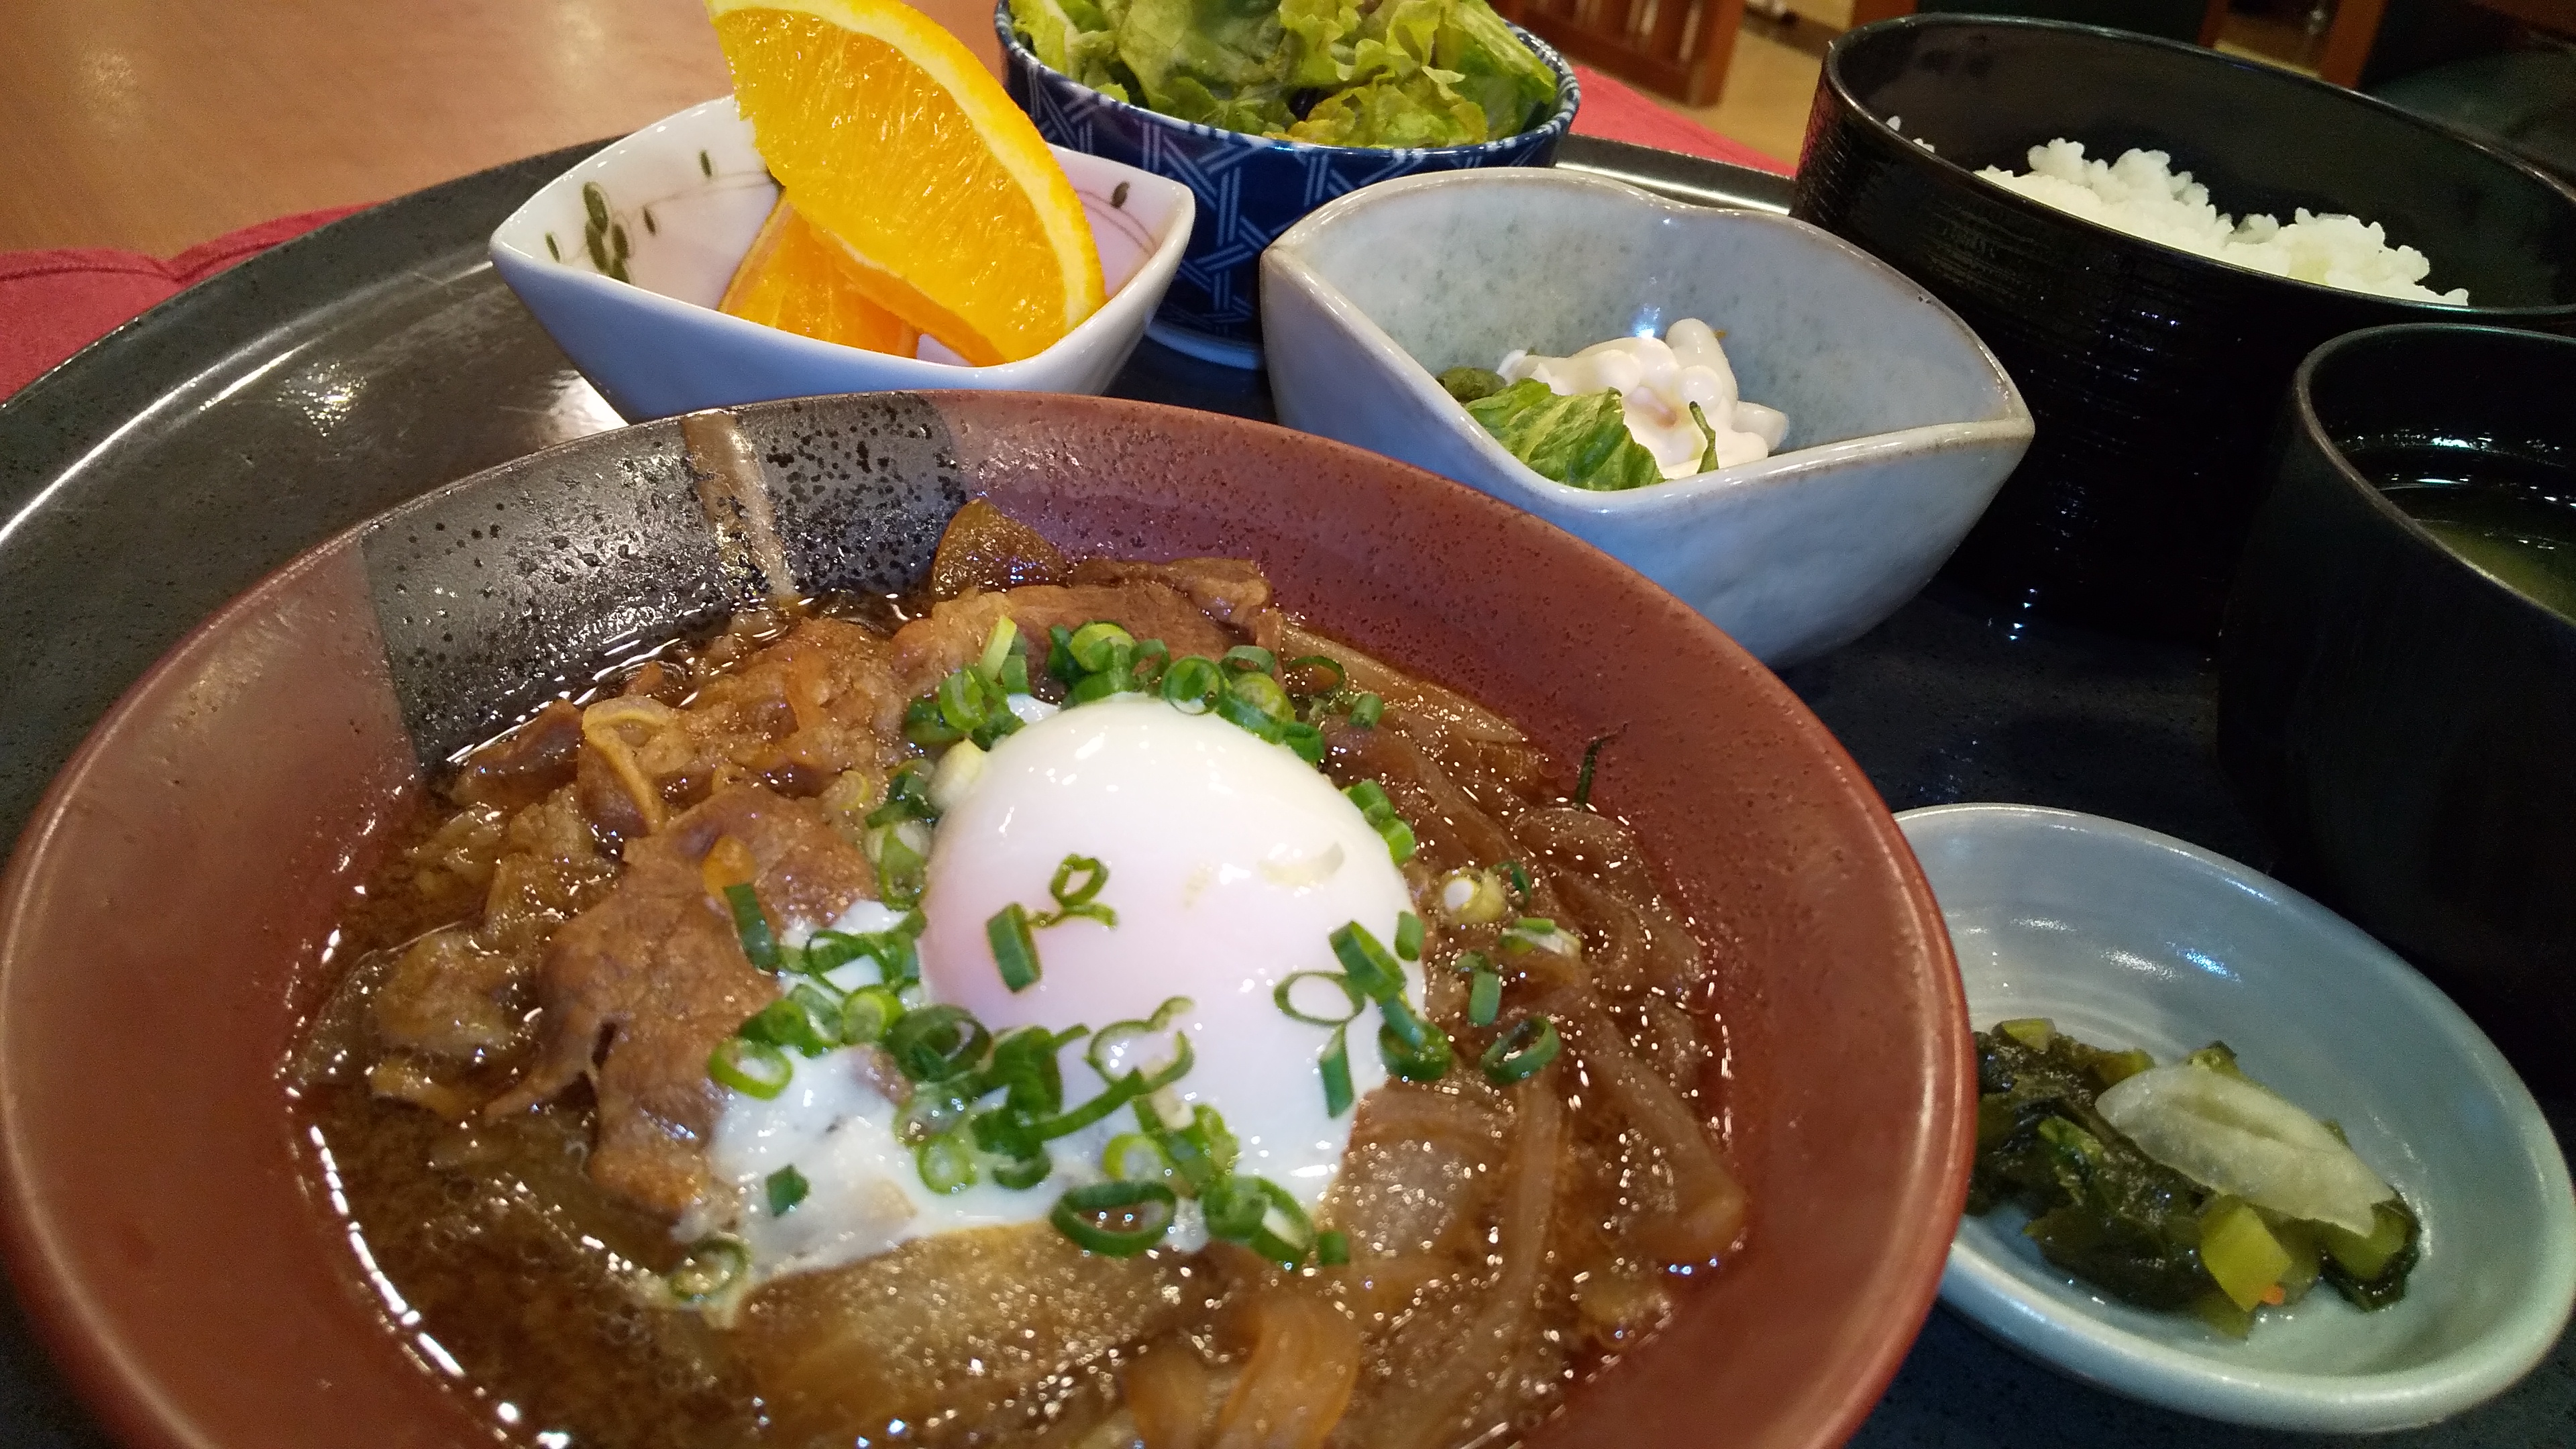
[2405, 722]
[2154, 374]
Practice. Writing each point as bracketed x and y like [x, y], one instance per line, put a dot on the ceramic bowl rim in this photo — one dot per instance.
[1569, 98]
[2312, 430]
[1834, 82]
[913, 373]
[2097, 1350]
[1762, 476]
[121, 1388]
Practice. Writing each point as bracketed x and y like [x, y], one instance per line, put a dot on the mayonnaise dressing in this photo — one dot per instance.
[1657, 380]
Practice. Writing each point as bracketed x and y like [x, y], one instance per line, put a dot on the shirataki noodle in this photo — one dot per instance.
[524, 1194]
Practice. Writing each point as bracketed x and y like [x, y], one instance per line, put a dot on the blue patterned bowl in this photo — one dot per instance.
[1250, 188]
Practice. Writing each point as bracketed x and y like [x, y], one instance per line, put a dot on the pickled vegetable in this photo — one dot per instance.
[2220, 1199]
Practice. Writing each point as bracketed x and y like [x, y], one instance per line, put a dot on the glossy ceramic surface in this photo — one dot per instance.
[2403, 720]
[185, 1251]
[685, 196]
[2128, 938]
[1249, 188]
[2154, 374]
[1900, 424]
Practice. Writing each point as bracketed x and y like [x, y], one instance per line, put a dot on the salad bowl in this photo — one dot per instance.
[1901, 423]
[1249, 188]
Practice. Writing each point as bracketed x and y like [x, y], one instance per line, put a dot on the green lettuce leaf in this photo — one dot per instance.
[1582, 440]
[1368, 72]
[1497, 72]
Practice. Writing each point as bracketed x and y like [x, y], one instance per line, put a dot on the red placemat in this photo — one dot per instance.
[54, 303]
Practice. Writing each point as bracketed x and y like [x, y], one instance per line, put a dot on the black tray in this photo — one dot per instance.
[186, 454]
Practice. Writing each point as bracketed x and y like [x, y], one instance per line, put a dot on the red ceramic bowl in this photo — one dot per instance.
[168, 916]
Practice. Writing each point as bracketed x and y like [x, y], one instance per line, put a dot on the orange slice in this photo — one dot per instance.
[798, 280]
[892, 139]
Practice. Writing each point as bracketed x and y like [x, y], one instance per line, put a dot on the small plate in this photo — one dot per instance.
[2125, 937]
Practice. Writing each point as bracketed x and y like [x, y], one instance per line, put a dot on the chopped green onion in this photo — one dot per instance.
[1519, 876]
[1583, 780]
[1116, 1219]
[1261, 1215]
[936, 1043]
[1473, 897]
[1059, 660]
[787, 1187]
[1332, 1250]
[804, 1019]
[901, 851]
[1380, 812]
[1484, 998]
[1126, 1089]
[1152, 657]
[1024, 1061]
[1014, 674]
[1015, 951]
[1250, 658]
[1335, 1065]
[1366, 709]
[1408, 936]
[759, 943]
[1369, 795]
[1101, 647]
[1077, 881]
[1135, 1157]
[936, 1109]
[1024, 1172]
[713, 1264]
[1371, 970]
[1193, 680]
[753, 1068]
[925, 725]
[1303, 740]
[867, 1014]
[947, 1163]
[1256, 703]
[1319, 661]
[1202, 1152]
[1521, 1052]
[998, 647]
[1113, 1038]
[1284, 995]
[1399, 840]
[1414, 1049]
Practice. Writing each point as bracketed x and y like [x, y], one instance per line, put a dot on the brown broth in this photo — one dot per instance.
[491, 1242]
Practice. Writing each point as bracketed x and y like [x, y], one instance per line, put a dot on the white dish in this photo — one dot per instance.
[1901, 424]
[689, 193]
[2125, 937]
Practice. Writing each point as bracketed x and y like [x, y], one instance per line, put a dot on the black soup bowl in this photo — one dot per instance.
[2397, 690]
[2154, 374]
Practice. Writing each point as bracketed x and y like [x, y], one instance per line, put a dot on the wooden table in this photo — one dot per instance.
[156, 124]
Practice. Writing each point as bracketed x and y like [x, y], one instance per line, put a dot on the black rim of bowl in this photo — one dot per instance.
[1569, 99]
[2262, 73]
[2303, 401]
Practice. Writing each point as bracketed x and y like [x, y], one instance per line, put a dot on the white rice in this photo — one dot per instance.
[2142, 195]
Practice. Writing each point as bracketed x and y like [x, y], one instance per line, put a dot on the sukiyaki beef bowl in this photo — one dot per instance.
[971, 919]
